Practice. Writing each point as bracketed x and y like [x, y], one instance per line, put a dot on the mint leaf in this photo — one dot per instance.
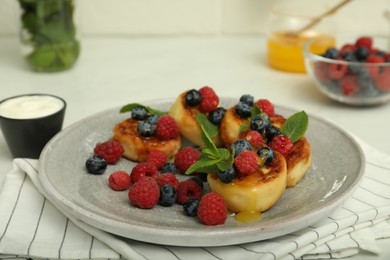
[209, 145]
[295, 126]
[210, 128]
[203, 165]
[226, 163]
[131, 106]
[213, 159]
[223, 165]
[255, 110]
[211, 153]
[243, 127]
[224, 153]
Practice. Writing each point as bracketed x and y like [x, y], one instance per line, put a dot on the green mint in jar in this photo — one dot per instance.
[48, 34]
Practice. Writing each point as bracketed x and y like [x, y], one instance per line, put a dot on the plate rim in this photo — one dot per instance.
[175, 237]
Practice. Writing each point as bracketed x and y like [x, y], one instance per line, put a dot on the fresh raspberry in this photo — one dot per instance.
[347, 48]
[212, 209]
[349, 85]
[321, 72]
[386, 57]
[143, 169]
[373, 69]
[375, 51]
[119, 180]
[209, 101]
[188, 189]
[157, 157]
[111, 151]
[186, 157]
[281, 144]
[166, 128]
[364, 41]
[247, 163]
[266, 106]
[167, 178]
[375, 59]
[255, 139]
[337, 70]
[144, 193]
[382, 82]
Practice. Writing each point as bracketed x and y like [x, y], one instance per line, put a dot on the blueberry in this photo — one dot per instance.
[380, 53]
[198, 181]
[243, 110]
[169, 167]
[240, 145]
[167, 195]
[260, 122]
[228, 175]
[190, 207]
[146, 129]
[361, 53]
[364, 78]
[139, 113]
[152, 119]
[270, 132]
[202, 176]
[193, 97]
[353, 68]
[96, 165]
[247, 99]
[331, 53]
[267, 154]
[367, 88]
[216, 115]
[348, 55]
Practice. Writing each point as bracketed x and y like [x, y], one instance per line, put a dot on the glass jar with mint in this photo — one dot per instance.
[48, 34]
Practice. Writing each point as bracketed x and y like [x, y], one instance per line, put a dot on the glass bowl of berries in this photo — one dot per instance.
[356, 71]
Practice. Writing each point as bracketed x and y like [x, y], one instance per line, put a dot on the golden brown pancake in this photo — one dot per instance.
[254, 193]
[298, 161]
[185, 119]
[230, 127]
[138, 147]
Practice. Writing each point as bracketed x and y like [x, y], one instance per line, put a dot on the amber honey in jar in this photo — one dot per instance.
[285, 50]
[287, 33]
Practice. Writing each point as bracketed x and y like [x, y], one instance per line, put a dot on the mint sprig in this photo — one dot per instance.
[210, 128]
[213, 159]
[295, 126]
[131, 106]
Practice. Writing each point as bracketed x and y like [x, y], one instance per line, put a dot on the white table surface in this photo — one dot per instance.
[113, 71]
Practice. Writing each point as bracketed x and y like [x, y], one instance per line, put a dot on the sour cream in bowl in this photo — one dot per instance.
[30, 106]
[29, 121]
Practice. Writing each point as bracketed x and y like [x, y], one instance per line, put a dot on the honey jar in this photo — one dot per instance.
[289, 27]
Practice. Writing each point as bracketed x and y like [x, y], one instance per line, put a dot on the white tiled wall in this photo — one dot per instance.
[171, 17]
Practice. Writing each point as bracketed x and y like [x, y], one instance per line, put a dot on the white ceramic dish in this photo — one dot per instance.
[338, 165]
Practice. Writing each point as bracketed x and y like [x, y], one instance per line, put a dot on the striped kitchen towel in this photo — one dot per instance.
[33, 226]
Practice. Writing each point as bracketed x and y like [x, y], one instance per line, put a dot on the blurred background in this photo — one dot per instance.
[200, 17]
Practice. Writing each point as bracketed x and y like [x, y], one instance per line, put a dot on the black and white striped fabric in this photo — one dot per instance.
[32, 226]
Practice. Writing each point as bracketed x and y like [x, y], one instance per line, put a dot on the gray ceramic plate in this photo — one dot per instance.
[338, 165]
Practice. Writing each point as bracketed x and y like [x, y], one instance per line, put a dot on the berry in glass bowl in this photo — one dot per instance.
[355, 72]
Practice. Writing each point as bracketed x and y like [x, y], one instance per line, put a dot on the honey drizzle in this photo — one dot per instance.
[247, 216]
